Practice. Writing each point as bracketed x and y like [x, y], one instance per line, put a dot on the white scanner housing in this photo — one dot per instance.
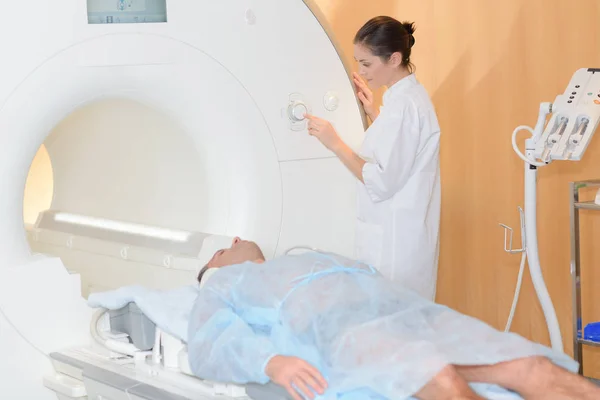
[222, 152]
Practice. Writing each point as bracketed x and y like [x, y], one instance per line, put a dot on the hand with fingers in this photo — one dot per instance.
[365, 95]
[298, 377]
[323, 130]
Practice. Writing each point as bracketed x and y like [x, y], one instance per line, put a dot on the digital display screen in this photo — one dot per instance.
[126, 11]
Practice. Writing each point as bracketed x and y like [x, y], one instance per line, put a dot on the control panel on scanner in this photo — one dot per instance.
[126, 11]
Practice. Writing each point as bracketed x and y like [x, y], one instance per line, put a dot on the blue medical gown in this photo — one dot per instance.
[369, 338]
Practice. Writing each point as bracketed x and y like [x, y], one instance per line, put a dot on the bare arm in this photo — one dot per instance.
[323, 131]
[350, 159]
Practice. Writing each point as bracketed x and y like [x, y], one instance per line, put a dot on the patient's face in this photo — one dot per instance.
[239, 252]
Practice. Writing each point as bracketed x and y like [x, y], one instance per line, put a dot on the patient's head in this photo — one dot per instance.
[240, 251]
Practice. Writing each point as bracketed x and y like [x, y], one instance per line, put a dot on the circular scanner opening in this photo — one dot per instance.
[122, 160]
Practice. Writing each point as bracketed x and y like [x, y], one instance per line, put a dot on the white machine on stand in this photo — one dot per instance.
[566, 136]
[221, 151]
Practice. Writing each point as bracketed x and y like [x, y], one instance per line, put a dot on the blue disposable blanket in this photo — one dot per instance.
[369, 338]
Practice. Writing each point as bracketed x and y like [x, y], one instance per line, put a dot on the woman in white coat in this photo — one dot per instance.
[398, 164]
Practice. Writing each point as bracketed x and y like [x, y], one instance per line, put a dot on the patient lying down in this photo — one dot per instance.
[323, 326]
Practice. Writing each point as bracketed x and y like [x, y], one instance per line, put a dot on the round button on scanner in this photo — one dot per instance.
[296, 111]
[250, 17]
[331, 101]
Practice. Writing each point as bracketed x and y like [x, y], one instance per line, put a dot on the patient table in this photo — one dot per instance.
[90, 373]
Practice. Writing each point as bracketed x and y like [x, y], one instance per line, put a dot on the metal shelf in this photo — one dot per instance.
[591, 182]
[587, 205]
[576, 207]
[588, 342]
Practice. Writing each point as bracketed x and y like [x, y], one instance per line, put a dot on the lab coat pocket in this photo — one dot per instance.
[369, 243]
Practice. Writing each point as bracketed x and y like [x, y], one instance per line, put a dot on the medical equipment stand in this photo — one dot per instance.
[576, 205]
[575, 116]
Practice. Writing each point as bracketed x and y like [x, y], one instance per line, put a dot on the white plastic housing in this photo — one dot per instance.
[579, 103]
[224, 81]
[217, 153]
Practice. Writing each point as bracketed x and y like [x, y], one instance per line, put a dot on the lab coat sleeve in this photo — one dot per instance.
[221, 346]
[395, 150]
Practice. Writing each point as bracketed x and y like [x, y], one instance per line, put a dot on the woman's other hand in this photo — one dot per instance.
[365, 95]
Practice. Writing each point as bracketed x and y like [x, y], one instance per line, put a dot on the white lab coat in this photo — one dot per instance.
[399, 203]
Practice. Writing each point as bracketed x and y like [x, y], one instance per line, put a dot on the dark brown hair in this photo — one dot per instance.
[201, 273]
[384, 36]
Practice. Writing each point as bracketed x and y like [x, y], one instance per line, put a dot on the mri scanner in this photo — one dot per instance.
[171, 126]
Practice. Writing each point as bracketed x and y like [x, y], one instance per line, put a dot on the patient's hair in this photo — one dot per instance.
[201, 273]
[240, 251]
[384, 36]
